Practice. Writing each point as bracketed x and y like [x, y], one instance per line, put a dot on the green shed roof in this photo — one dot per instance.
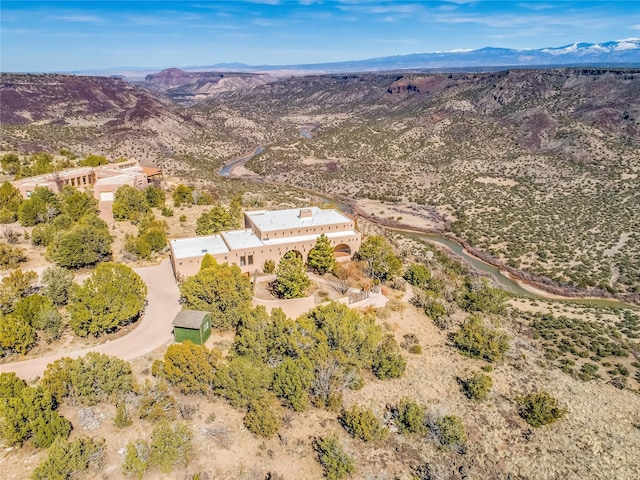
[190, 319]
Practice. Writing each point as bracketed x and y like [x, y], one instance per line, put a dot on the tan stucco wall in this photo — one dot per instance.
[187, 267]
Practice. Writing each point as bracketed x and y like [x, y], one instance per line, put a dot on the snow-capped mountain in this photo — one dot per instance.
[615, 53]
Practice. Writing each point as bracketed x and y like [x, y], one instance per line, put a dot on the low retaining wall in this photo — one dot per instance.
[293, 307]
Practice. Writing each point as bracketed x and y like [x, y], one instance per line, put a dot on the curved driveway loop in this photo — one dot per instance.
[153, 330]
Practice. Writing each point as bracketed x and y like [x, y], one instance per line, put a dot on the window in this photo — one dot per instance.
[243, 261]
[250, 259]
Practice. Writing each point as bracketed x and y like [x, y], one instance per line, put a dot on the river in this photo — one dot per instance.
[226, 170]
[499, 278]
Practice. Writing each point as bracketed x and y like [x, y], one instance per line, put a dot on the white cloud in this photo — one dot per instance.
[82, 18]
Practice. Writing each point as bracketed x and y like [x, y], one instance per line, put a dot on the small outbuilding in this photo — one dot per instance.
[193, 325]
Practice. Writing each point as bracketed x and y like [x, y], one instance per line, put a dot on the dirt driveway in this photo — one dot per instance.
[153, 330]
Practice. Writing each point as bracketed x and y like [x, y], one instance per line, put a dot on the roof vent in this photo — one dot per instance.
[306, 213]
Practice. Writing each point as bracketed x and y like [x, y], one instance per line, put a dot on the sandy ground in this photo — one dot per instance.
[596, 440]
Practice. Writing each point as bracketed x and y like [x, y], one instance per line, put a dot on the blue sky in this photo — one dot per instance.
[84, 34]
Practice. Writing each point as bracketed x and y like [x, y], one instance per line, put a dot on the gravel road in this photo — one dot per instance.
[153, 330]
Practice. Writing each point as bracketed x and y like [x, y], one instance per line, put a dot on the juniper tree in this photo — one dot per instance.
[111, 297]
[292, 280]
[321, 257]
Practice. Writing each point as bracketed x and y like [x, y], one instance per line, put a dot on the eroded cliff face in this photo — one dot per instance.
[189, 87]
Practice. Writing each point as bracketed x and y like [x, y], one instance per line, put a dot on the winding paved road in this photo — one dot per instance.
[153, 330]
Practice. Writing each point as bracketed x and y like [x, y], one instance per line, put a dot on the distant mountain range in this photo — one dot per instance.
[621, 53]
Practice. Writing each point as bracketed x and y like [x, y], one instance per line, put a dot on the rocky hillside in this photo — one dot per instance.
[89, 114]
[525, 165]
[189, 87]
[527, 162]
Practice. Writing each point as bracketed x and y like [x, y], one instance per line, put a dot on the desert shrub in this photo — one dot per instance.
[243, 381]
[216, 220]
[7, 216]
[449, 431]
[362, 423]
[156, 403]
[269, 266]
[66, 460]
[122, 418]
[417, 275]
[56, 283]
[75, 204]
[42, 206]
[166, 211]
[31, 414]
[137, 458]
[16, 335]
[477, 340]
[415, 349]
[182, 194]
[291, 382]
[155, 196]
[435, 310]
[208, 261]
[190, 367]
[10, 256]
[171, 446]
[10, 385]
[540, 408]
[335, 462]
[379, 258]
[38, 311]
[388, 361]
[129, 203]
[93, 161]
[221, 289]
[90, 379]
[14, 286]
[357, 337]
[588, 371]
[478, 386]
[410, 416]
[137, 246]
[152, 237]
[481, 297]
[262, 418]
[86, 243]
[43, 234]
[113, 296]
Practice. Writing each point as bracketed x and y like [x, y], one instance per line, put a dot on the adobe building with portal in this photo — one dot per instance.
[102, 180]
[268, 235]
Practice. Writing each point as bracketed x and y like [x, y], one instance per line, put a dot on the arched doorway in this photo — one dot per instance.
[296, 253]
[341, 251]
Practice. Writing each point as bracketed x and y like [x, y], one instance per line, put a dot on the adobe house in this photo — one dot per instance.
[102, 180]
[193, 325]
[268, 235]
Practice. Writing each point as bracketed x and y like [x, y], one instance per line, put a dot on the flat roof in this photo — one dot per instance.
[190, 319]
[270, 220]
[75, 171]
[34, 182]
[306, 238]
[121, 179]
[238, 239]
[198, 246]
